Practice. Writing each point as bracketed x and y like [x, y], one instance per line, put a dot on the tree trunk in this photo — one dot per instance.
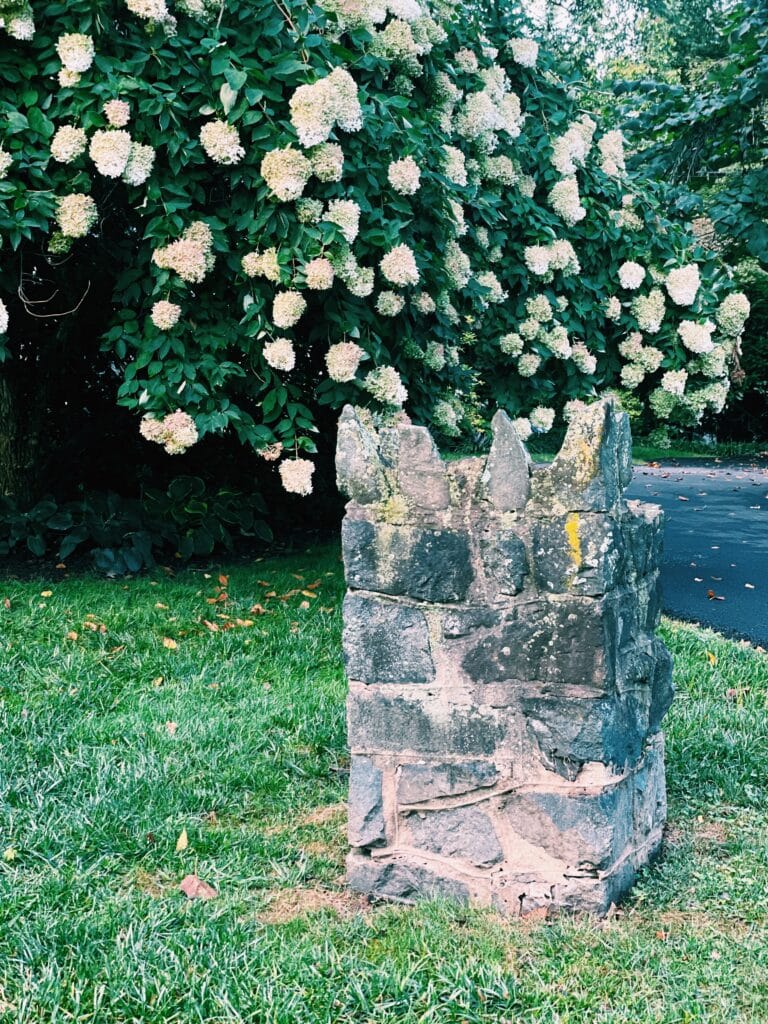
[18, 443]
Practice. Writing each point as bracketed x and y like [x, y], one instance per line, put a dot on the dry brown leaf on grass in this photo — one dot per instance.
[195, 888]
[169, 643]
[182, 842]
[711, 658]
[171, 728]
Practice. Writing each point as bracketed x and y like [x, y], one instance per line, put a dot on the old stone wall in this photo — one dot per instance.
[506, 689]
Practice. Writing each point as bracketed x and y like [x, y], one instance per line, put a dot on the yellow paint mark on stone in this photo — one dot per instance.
[574, 541]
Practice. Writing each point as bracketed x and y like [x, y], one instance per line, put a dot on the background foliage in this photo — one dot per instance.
[80, 324]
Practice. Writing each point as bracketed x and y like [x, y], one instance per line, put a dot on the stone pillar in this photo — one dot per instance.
[506, 689]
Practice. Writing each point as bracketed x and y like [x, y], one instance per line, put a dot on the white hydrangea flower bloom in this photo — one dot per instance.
[117, 112]
[404, 176]
[632, 375]
[288, 308]
[110, 150]
[280, 354]
[286, 172]
[674, 381]
[319, 274]
[631, 275]
[565, 201]
[345, 213]
[511, 344]
[76, 214]
[611, 147]
[683, 284]
[68, 144]
[4, 319]
[165, 315]
[525, 52]
[537, 259]
[424, 303]
[523, 427]
[649, 311]
[733, 313]
[496, 293]
[141, 160]
[542, 418]
[398, 266]
[296, 476]
[528, 364]
[327, 161]
[385, 385]
[317, 108]
[455, 166]
[613, 308]
[390, 304]
[221, 142]
[696, 337]
[76, 51]
[343, 360]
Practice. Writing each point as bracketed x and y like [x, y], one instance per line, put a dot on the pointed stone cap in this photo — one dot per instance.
[594, 465]
[420, 471]
[506, 479]
[359, 468]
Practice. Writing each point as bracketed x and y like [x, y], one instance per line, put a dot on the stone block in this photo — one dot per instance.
[385, 642]
[359, 469]
[420, 472]
[380, 722]
[587, 832]
[592, 468]
[506, 478]
[567, 733]
[461, 622]
[464, 833]
[427, 780]
[505, 560]
[427, 565]
[581, 553]
[400, 881]
[366, 809]
[558, 642]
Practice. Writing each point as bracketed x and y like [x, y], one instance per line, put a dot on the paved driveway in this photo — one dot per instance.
[716, 542]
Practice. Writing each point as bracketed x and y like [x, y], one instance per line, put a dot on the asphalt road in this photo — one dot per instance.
[715, 567]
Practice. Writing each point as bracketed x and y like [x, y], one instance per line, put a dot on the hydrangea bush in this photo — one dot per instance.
[397, 203]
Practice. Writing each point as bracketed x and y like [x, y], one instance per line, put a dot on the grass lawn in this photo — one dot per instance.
[130, 725]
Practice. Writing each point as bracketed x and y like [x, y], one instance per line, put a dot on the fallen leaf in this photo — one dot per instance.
[224, 580]
[9, 855]
[212, 626]
[304, 605]
[159, 604]
[171, 728]
[244, 622]
[182, 842]
[257, 609]
[195, 888]
[308, 593]
[7, 603]
[71, 635]
[157, 681]
[170, 644]
[61, 565]
[46, 593]
[711, 658]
